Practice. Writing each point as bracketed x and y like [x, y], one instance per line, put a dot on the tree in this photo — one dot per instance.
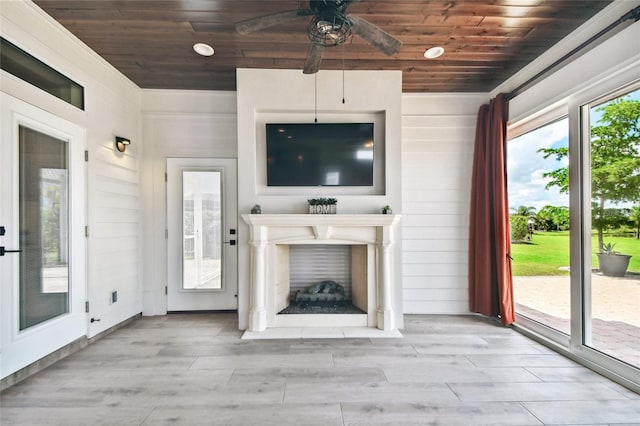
[635, 217]
[524, 211]
[615, 159]
[609, 218]
[519, 228]
[51, 223]
[553, 218]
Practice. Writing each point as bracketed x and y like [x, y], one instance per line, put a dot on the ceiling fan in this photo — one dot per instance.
[329, 26]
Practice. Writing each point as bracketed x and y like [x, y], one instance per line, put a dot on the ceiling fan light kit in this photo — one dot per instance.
[328, 27]
[330, 30]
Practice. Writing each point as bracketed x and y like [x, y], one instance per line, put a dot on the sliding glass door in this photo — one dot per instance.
[611, 292]
[540, 232]
[574, 194]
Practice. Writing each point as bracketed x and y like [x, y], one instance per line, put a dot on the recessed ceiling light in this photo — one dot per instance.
[203, 49]
[434, 52]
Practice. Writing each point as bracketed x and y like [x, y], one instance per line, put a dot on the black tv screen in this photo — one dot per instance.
[320, 154]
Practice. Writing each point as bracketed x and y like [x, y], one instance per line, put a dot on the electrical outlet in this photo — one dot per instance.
[114, 296]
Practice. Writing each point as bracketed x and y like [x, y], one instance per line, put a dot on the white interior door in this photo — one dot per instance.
[201, 242]
[42, 269]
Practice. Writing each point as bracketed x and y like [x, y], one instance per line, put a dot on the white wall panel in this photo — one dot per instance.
[112, 200]
[435, 232]
[431, 169]
[443, 145]
[429, 193]
[433, 269]
[178, 124]
[375, 95]
[435, 282]
[434, 207]
[432, 306]
[442, 294]
[112, 107]
[435, 257]
[438, 133]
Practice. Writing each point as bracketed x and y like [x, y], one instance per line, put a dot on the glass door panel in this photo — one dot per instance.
[202, 230]
[537, 170]
[612, 292]
[42, 206]
[44, 227]
[201, 234]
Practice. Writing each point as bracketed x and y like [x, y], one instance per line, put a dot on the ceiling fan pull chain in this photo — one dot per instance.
[343, 73]
[315, 95]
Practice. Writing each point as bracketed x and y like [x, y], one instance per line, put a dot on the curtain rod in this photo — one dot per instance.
[632, 14]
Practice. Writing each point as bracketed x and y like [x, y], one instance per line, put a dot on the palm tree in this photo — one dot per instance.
[527, 211]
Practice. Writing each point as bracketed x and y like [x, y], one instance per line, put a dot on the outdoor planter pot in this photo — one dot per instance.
[614, 264]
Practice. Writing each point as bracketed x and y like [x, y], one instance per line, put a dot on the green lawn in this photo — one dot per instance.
[548, 251]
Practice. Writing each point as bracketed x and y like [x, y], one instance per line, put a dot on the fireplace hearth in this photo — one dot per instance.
[368, 239]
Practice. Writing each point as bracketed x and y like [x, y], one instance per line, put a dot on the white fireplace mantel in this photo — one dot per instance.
[268, 230]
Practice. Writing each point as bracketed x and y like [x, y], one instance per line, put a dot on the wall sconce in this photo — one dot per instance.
[121, 143]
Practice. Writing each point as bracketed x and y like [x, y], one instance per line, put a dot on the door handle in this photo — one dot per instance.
[3, 251]
[231, 242]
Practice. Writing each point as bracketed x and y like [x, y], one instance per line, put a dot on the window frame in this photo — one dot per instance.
[530, 123]
[576, 106]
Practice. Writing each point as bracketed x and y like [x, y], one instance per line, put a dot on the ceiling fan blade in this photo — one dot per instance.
[266, 21]
[314, 57]
[377, 37]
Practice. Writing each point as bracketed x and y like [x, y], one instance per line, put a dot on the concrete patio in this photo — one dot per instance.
[615, 310]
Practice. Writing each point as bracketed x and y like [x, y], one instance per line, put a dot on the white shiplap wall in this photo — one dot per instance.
[177, 124]
[115, 231]
[437, 154]
[112, 107]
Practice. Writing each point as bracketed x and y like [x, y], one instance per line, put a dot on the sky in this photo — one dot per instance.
[525, 166]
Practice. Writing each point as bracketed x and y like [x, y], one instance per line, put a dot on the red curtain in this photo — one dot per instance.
[490, 282]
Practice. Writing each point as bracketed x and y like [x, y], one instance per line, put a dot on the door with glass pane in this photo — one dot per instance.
[201, 240]
[611, 292]
[42, 260]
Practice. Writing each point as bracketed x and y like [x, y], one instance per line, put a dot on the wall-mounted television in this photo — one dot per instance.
[319, 154]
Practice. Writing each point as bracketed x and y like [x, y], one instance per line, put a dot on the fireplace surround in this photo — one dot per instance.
[371, 237]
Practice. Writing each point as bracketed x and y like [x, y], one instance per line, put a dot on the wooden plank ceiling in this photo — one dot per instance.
[150, 41]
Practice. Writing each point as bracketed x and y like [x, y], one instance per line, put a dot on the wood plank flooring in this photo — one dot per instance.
[195, 370]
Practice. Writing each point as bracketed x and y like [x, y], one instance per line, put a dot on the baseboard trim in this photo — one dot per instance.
[63, 352]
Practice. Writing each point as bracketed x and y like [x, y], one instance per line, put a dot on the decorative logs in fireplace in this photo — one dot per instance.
[325, 297]
[324, 291]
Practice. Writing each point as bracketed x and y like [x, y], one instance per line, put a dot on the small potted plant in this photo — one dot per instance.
[611, 262]
[323, 205]
[387, 210]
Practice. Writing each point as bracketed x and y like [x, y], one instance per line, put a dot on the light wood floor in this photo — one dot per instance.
[195, 370]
